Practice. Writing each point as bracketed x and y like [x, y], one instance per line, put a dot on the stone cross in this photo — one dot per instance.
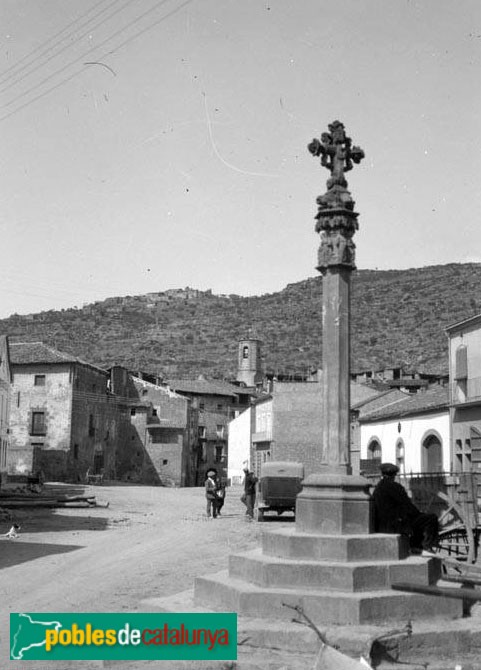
[336, 223]
[337, 153]
[334, 501]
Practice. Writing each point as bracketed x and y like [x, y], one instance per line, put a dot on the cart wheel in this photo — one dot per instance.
[456, 537]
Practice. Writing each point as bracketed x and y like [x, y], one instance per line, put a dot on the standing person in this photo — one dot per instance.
[394, 512]
[220, 493]
[249, 495]
[210, 494]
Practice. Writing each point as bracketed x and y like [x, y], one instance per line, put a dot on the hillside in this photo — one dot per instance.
[398, 318]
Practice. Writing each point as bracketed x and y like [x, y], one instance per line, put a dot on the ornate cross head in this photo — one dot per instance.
[337, 153]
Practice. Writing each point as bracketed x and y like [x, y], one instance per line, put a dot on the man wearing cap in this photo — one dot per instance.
[249, 495]
[210, 493]
[394, 512]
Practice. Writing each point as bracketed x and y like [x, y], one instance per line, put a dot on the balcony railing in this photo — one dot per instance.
[262, 436]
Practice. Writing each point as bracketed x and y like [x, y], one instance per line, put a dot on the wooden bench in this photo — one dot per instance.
[467, 593]
[95, 478]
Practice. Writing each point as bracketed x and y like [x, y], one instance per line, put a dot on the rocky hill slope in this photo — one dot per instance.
[398, 318]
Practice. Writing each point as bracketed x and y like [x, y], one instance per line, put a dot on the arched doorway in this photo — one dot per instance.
[432, 454]
[98, 460]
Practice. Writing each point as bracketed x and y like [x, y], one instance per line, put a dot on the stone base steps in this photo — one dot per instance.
[354, 576]
[291, 543]
[222, 592]
[442, 643]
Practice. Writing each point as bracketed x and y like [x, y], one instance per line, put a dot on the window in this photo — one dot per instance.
[75, 451]
[165, 461]
[38, 426]
[218, 454]
[374, 450]
[201, 432]
[461, 363]
[201, 407]
[91, 425]
[133, 411]
[220, 431]
[220, 406]
[245, 352]
[400, 455]
[154, 412]
[39, 380]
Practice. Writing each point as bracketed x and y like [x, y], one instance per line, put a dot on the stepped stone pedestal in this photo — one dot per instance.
[336, 579]
[330, 564]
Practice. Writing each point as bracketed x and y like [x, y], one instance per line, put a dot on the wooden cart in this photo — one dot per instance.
[453, 497]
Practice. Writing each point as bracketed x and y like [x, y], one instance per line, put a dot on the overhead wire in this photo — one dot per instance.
[56, 54]
[95, 48]
[34, 55]
[108, 39]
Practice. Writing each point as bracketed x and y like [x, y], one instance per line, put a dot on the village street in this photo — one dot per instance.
[149, 542]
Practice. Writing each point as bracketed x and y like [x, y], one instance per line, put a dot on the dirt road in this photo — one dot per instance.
[148, 542]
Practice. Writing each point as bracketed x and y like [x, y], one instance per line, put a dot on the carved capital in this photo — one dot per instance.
[336, 198]
[335, 250]
[337, 221]
[337, 247]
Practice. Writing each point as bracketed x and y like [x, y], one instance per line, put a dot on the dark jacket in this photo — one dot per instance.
[250, 482]
[394, 512]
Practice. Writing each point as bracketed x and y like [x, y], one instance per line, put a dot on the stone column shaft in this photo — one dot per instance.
[335, 363]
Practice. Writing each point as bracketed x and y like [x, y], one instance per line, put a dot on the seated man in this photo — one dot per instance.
[394, 512]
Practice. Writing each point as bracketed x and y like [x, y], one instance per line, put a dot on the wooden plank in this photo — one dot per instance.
[458, 579]
[445, 592]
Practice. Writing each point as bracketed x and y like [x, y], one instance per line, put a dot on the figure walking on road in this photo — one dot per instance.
[220, 493]
[249, 495]
[210, 494]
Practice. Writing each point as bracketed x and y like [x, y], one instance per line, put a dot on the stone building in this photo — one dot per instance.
[5, 392]
[465, 393]
[63, 421]
[286, 425]
[217, 403]
[249, 365]
[159, 447]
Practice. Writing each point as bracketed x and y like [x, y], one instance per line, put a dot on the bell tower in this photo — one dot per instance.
[249, 361]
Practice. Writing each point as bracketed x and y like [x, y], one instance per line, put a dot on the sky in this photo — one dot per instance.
[148, 145]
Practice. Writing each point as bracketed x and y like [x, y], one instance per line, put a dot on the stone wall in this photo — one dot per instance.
[82, 423]
[54, 398]
[157, 447]
[297, 424]
[96, 426]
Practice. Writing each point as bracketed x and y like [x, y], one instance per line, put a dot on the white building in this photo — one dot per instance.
[465, 386]
[412, 432]
[239, 443]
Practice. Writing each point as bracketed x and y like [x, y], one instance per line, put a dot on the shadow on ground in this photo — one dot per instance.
[34, 517]
[274, 518]
[48, 520]
[14, 552]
